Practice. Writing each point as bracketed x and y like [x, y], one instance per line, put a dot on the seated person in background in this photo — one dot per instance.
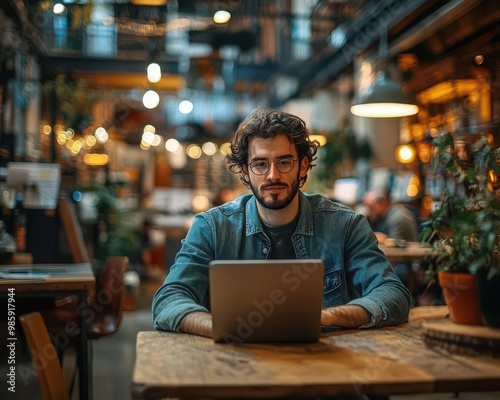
[393, 221]
[272, 153]
[389, 220]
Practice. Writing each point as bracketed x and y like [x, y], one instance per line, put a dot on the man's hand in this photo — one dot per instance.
[381, 237]
[347, 316]
[197, 323]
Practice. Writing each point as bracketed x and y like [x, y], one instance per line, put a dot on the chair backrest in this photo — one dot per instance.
[52, 382]
[73, 231]
[109, 298]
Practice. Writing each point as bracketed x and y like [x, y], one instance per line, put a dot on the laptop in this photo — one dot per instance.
[266, 300]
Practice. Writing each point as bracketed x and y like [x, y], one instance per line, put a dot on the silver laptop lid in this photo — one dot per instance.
[266, 300]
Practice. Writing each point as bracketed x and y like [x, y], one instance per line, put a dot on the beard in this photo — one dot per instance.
[273, 202]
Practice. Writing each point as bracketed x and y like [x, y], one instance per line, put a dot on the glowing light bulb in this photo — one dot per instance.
[222, 16]
[151, 99]
[185, 107]
[154, 72]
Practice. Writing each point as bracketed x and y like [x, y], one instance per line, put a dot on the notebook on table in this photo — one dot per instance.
[266, 300]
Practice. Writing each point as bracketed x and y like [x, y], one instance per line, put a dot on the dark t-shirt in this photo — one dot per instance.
[281, 240]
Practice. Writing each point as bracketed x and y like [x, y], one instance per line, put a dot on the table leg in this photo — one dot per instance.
[411, 281]
[83, 354]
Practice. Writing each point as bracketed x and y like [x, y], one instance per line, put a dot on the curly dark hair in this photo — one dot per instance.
[267, 123]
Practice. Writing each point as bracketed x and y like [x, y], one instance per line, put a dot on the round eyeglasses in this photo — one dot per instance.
[283, 165]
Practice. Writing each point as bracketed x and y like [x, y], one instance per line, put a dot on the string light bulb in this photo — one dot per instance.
[154, 72]
[405, 154]
[151, 99]
[222, 17]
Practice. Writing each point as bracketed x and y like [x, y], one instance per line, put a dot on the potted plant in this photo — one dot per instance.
[464, 231]
[338, 156]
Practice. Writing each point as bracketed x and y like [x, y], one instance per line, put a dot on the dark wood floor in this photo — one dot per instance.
[114, 356]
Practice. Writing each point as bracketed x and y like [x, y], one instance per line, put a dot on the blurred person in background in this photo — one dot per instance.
[389, 220]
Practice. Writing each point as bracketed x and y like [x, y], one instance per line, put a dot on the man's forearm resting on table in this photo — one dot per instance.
[198, 323]
[346, 316]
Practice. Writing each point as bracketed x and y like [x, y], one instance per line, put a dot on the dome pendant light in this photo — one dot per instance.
[384, 99]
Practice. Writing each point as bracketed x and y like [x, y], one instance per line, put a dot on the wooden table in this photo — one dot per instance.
[391, 360]
[59, 280]
[414, 252]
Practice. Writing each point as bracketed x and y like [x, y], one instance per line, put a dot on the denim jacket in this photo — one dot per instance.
[356, 270]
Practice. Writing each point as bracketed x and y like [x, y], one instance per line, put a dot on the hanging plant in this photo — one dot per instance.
[75, 102]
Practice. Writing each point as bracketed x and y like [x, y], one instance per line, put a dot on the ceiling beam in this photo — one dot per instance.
[359, 35]
[431, 25]
[326, 69]
[127, 81]
[99, 64]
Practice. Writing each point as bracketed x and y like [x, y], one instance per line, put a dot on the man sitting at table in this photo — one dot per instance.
[272, 152]
[390, 220]
[387, 219]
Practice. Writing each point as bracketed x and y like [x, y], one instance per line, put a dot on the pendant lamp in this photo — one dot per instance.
[384, 99]
[149, 2]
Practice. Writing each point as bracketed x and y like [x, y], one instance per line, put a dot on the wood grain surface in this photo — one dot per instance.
[390, 360]
[462, 339]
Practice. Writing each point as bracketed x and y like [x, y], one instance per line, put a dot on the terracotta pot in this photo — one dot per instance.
[460, 295]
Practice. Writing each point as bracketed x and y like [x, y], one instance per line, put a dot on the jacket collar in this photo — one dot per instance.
[304, 226]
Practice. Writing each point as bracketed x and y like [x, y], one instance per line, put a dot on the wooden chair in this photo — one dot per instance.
[53, 384]
[108, 314]
[73, 231]
[106, 308]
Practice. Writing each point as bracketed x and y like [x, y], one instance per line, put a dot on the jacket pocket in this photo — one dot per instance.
[333, 290]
